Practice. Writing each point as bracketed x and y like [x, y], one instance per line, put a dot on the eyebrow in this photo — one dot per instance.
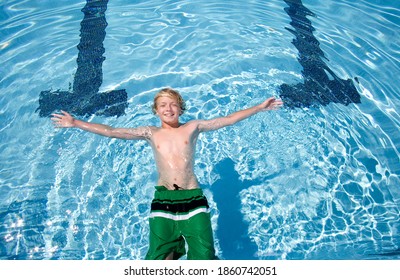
[165, 102]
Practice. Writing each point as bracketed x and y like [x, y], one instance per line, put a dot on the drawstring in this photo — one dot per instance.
[177, 187]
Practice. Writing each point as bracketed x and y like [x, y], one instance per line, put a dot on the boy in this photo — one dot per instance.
[179, 210]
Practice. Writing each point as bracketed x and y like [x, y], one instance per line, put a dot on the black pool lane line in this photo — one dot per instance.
[321, 86]
[85, 98]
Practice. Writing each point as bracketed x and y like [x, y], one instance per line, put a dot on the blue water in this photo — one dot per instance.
[319, 182]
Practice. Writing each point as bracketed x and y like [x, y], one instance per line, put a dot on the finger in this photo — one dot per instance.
[276, 106]
[57, 123]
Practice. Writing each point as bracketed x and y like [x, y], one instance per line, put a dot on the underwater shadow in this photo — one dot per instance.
[232, 230]
[395, 254]
[85, 98]
[321, 85]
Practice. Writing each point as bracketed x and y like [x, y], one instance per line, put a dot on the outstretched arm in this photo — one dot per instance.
[65, 120]
[217, 123]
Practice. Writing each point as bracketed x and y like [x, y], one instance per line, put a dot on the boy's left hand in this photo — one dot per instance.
[271, 104]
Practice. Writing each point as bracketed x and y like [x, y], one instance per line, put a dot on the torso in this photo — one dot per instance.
[174, 155]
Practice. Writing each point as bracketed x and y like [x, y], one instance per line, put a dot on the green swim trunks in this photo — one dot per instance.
[177, 216]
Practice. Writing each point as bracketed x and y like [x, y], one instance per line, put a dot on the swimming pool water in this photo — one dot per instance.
[319, 182]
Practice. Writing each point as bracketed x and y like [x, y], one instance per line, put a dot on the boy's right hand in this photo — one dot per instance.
[63, 120]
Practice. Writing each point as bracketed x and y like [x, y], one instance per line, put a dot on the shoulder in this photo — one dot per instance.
[193, 124]
[152, 128]
[207, 125]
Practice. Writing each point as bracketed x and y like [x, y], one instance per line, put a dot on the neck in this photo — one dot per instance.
[170, 125]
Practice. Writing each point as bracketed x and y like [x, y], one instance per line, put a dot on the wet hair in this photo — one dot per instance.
[169, 92]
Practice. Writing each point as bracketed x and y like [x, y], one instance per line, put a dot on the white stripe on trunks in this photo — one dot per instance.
[178, 217]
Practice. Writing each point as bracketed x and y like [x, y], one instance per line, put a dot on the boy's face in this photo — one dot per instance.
[168, 109]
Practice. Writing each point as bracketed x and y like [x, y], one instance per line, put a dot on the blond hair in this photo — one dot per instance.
[169, 92]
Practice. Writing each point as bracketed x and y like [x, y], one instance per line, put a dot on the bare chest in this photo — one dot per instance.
[173, 142]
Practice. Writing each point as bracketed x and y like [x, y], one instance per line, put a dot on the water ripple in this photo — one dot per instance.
[320, 183]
